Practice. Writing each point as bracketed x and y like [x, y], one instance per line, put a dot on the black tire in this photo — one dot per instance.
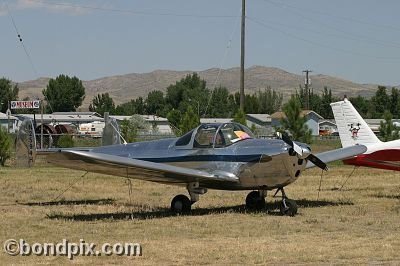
[288, 207]
[254, 201]
[181, 204]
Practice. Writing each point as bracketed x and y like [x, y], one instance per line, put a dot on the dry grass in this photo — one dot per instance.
[359, 224]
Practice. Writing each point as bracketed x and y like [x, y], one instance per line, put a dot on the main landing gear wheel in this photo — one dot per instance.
[288, 207]
[181, 204]
[255, 201]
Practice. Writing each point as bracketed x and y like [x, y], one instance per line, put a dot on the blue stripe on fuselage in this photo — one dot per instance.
[204, 158]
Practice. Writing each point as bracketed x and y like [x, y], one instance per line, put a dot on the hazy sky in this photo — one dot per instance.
[358, 40]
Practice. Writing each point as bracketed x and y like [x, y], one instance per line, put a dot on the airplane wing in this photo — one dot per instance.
[134, 168]
[339, 154]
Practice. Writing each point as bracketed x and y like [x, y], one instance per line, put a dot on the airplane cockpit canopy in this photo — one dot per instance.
[215, 135]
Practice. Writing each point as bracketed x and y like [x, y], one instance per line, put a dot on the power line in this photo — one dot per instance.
[228, 47]
[20, 40]
[333, 48]
[25, 49]
[130, 11]
[321, 32]
[295, 11]
[381, 26]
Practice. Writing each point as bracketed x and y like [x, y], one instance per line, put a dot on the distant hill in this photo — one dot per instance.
[122, 88]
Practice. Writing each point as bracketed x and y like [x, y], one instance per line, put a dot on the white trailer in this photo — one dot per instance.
[94, 129]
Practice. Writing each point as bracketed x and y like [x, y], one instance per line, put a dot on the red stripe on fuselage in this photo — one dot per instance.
[383, 159]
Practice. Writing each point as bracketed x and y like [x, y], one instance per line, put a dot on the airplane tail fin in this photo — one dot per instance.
[351, 126]
[111, 132]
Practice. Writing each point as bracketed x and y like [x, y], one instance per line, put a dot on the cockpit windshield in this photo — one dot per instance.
[205, 136]
[215, 135]
[231, 133]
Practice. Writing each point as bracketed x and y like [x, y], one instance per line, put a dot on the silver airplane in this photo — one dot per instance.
[222, 156]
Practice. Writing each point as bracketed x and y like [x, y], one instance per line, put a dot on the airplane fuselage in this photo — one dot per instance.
[248, 159]
[383, 155]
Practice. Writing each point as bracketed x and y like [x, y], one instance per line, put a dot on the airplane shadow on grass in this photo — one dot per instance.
[70, 202]
[272, 208]
[386, 196]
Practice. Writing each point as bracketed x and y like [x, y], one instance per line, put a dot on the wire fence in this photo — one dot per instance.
[82, 140]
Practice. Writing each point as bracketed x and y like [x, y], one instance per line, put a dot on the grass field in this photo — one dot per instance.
[359, 224]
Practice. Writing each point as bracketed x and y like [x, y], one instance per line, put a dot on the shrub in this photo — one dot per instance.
[5, 145]
[65, 141]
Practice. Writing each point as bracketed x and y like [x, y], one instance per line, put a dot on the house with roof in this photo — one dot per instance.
[75, 118]
[312, 120]
[215, 120]
[262, 124]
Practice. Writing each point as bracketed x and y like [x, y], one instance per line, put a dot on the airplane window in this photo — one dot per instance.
[219, 140]
[205, 137]
[185, 139]
[233, 133]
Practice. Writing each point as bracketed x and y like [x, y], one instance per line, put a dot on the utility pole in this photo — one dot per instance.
[242, 55]
[307, 82]
[41, 125]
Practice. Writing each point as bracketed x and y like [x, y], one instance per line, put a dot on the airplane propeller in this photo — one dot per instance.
[303, 153]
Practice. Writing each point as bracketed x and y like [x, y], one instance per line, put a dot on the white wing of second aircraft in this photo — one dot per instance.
[339, 154]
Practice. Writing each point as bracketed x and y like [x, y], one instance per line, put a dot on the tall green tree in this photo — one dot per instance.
[64, 94]
[155, 103]
[362, 105]
[251, 105]
[269, 100]
[102, 103]
[128, 108]
[140, 106]
[395, 102]
[295, 122]
[190, 90]
[219, 103]
[314, 99]
[189, 121]
[8, 92]
[240, 117]
[387, 130]
[174, 119]
[381, 101]
[326, 100]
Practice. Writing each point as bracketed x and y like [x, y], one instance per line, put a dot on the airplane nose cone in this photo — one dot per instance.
[304, 154]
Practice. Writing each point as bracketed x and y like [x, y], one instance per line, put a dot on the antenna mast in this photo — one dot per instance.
[242, 55]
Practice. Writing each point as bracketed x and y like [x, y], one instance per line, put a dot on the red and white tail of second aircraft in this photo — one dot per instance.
[354, 130]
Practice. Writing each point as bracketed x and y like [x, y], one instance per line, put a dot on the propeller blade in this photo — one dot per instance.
[303, 152]
[315, 160]
[285, 137]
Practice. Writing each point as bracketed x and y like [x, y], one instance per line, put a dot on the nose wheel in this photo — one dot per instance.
[287, 207]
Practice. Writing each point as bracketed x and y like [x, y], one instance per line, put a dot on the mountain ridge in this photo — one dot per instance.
[124, 87]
